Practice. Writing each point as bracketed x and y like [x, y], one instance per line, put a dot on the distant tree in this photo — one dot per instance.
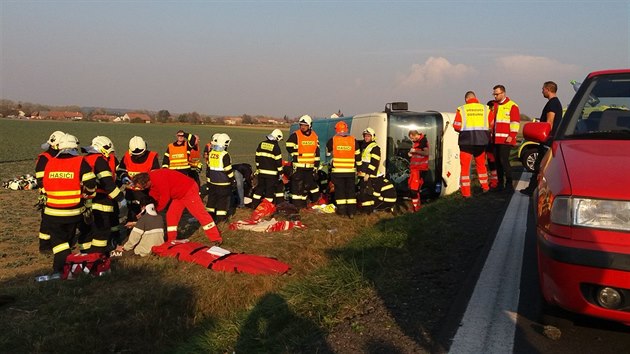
[247, 119]
[163, 116]
[339, 113]
[286, 118]
[183, 118]
[194, 118]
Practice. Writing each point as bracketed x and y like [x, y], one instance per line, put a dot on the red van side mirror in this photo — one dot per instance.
[537, 131]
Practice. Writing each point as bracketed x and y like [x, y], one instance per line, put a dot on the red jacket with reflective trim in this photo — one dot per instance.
[167, 185]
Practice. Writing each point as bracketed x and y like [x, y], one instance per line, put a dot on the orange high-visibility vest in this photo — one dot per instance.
[62, 178]
[177, 157]
[135, 168]
[111, 162]
[194, 158]
[343, 154]
[306, 149]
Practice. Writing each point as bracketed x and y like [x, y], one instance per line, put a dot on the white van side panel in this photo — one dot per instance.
[450, 162]
[376, 121]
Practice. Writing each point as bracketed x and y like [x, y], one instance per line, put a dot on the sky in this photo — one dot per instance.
[279, 58]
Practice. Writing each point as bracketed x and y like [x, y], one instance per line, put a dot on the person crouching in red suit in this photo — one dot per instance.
[169, 186]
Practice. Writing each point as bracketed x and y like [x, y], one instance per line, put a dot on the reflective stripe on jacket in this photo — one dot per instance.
[344, 154]
[417, 161]
[307, 146]
[471, 121]
[63, 179]
[177, 157]
[135, 168]
[504, 124]
[219, 170]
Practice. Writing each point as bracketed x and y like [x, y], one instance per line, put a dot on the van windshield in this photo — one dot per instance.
[398, 145]
[602, 111]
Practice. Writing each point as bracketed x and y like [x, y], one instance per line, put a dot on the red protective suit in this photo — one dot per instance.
[182, 192]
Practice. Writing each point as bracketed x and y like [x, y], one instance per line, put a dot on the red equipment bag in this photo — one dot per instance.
[265, 208]
[95, 264]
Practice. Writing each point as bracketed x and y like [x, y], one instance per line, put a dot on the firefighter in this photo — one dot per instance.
[51, 149]
[418, 164]
[178, 192]
[368, 169]
[68, 178]
[177, 153]
[136, 160]
[384, 193]
[269, 170]
[471, 121]
[303, 147]
[104, 234]
[345, 158]
[221, 180]
[194, 161]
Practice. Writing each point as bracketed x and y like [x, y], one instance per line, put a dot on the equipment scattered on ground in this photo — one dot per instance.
[25, 182]
[220, 259]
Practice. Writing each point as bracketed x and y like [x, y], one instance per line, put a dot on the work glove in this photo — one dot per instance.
[122, 204]
[366, 177]
[126, 180]
[41, 201]
[88, 217]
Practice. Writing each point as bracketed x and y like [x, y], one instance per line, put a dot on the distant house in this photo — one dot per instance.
[232, 120]
[131, 117]
[61, 115]
[105, 118]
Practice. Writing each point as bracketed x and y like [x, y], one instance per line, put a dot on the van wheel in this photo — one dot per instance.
[528, 158]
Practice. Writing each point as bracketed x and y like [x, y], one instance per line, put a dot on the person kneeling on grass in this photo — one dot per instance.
[169, 186]
[147, 232]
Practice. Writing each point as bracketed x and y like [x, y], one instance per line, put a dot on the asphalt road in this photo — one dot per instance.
[505, 312]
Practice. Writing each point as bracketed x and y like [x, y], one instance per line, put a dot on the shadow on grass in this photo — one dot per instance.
[419, 264]
[272, 327]
[133, 309]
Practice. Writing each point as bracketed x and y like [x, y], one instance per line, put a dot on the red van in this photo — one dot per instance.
[583, 200]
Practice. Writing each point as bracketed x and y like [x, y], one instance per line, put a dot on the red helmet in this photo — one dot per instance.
[341, 127]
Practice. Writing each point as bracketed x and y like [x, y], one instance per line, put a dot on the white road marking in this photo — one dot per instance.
[489, 323]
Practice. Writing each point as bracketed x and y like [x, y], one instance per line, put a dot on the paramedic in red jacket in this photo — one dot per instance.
[505, 120]
[169, 186]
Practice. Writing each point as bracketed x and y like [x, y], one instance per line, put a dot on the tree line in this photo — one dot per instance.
[10, 108]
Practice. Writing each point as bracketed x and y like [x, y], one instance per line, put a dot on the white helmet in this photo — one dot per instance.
[215, 138]
[68, 142]
[137, 145]
[277, 134]
[103, 145]
[306, 119]
[370, 131]
[53, 140]
[223, 140]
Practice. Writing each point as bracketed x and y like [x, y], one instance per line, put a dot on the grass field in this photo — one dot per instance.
[377, 283]
[21, 139]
